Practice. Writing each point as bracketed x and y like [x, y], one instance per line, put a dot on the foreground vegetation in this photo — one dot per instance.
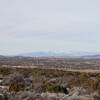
[40, 81]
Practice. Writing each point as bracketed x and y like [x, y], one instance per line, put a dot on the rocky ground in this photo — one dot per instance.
[40, 84]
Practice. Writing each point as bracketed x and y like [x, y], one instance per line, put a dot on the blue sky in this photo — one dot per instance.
[49, 25]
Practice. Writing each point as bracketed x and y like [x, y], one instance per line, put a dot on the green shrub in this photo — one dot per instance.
[56, 89]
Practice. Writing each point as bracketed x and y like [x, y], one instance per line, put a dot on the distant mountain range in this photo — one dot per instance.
[87, 55]
[44, 54]
[63, 54]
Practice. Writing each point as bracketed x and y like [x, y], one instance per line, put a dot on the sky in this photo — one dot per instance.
[49, 25]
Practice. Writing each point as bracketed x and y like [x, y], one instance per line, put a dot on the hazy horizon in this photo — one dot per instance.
[49, 25]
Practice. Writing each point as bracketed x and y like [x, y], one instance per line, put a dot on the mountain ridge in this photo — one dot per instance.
[61, 54]
[57, 54]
